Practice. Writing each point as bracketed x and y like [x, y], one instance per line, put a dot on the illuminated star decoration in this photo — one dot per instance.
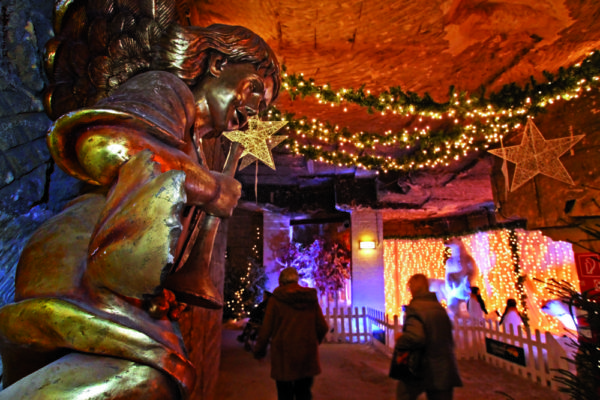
[272, 142]
[536, 155]
[258, 141]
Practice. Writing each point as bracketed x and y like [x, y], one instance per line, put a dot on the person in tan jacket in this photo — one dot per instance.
[295, 325]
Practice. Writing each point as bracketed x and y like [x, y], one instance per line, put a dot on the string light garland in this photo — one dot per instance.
[247, 283]
[473, 122]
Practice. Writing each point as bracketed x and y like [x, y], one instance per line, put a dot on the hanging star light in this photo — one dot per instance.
[536, 155]
[272, 142]
[258, 141]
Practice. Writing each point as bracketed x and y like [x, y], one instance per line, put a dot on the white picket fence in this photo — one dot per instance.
[347, 325]
[484, 339]
[474, 339]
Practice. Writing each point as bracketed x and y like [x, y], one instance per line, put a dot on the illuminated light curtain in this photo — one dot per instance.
[539, 256]
[544, 259]
[496, 275]
[390, 274]
[404, 258]
[484, 264]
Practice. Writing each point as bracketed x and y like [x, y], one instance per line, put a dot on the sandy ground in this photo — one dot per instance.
[357, 372]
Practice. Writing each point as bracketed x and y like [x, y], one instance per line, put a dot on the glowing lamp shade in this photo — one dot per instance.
[366, 244]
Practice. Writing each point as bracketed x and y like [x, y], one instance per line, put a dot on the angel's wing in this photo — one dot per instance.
[98, 45]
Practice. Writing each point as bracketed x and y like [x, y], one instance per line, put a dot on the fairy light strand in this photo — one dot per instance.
[476, 122]
[238, 303]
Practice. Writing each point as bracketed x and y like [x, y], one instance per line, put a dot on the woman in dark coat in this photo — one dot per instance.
[427, 328]
[295, 325]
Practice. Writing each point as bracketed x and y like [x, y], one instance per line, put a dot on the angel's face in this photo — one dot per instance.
[233, 93]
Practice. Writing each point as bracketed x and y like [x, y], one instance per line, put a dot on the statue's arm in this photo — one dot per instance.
[102, 150]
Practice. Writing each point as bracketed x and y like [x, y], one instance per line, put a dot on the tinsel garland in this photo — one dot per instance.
[479, 120]
[533, 96]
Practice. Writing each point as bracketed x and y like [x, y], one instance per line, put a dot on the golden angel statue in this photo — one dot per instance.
[99, 286]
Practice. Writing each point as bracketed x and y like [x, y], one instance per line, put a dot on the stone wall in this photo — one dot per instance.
[31, 188]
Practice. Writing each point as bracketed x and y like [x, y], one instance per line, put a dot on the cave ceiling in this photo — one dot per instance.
[420, 46]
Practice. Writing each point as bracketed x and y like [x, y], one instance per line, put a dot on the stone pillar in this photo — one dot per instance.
[367, 264]
[276, 234]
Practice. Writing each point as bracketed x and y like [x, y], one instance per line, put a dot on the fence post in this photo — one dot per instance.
[366, 337]
[336, 329]
[343, 317]
[369, 327]
[328, 319]
[355, 329]
[351, 317]
[556, 360]
[386, 327]
[395, 330]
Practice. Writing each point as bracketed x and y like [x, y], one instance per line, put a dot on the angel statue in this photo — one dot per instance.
[99, 287]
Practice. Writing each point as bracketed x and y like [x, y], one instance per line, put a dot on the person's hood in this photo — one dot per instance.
[296, 296]
[427, 296]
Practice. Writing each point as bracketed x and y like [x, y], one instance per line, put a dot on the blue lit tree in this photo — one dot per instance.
[325, 266]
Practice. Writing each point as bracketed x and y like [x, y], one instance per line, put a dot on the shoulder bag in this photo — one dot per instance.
[406, 363]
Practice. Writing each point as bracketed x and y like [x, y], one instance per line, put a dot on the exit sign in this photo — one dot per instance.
[588, 269]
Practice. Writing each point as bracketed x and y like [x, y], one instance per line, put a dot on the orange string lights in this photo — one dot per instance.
[540, 259]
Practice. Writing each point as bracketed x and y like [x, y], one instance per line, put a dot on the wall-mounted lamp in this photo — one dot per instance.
[366, 244]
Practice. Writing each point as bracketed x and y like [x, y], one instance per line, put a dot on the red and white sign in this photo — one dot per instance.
[588, 269]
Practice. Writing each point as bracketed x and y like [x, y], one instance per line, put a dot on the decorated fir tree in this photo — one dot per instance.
[584, 384]
[244, 286]
[325, 266]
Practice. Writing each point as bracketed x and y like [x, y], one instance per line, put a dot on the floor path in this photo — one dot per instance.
[359, 372]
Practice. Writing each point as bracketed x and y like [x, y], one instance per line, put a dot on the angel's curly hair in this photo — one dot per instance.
[184, 51]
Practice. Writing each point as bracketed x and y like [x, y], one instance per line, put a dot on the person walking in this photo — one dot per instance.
[428, 329]
[295, 325]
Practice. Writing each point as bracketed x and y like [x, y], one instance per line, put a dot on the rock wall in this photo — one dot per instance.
[31, 188]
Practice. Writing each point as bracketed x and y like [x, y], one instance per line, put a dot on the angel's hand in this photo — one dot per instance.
[228, 195]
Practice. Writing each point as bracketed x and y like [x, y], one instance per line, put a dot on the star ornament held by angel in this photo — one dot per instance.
[258, 141]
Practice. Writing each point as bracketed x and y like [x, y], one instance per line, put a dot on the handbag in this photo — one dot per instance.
[405, 364]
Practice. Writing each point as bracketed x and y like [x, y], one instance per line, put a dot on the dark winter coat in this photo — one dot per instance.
[295, 324]
[427, 327]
